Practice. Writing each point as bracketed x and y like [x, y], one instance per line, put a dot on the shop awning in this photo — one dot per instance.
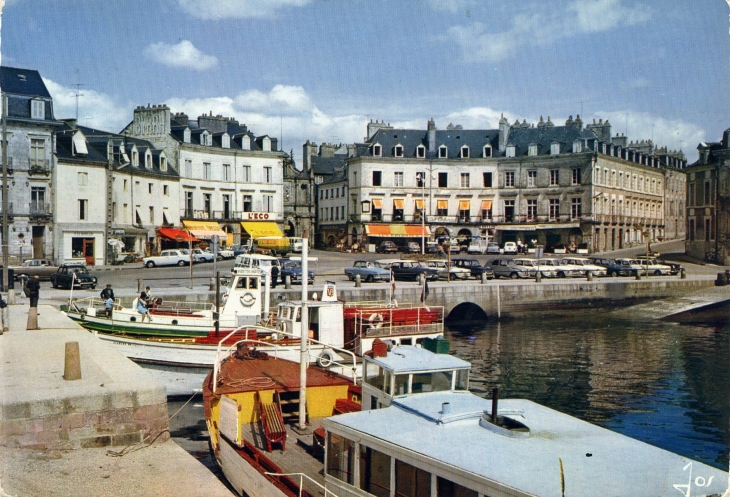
[396, 230]
[464, 205]
[486, 205]
[442, 204]
[377, 203]
[398, 203]
[259, 229]
[204, 229]
[176, 235]
[420, 204]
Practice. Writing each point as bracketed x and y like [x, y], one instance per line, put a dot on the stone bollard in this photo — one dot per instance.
[140, 285]
[32, 323]
[538, 276]
[721, 279]
[287, 281]
[638, 275]
[484, 277]
[358, 281]
[589, 275]
[212, 285]
[420, 279]
[72, 363]
[682, 274]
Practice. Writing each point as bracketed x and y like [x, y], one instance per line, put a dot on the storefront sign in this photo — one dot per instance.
[260, 216]
[118, 232]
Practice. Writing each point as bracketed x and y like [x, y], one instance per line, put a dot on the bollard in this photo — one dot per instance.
[538, 277]
[358, 281]
[721, 279]
[287, 281]
[32, 323]
[72, 363]
[682, 274]
[212, 285]
[589, 275]
[420, 279]
[140, 285]
[484, 277]
[638, 275]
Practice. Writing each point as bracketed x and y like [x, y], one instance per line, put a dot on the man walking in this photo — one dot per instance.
[34, 290]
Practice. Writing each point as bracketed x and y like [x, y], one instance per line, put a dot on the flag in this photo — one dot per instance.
[424, 292]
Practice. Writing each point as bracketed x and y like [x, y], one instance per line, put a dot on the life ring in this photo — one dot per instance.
[375, 320]
[248, 299]
[282, 326]
[325, 359]
[275, 336]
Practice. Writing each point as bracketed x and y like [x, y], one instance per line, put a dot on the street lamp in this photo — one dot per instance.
[422, 178]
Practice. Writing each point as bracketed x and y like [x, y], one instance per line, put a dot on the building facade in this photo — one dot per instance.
[299, 204]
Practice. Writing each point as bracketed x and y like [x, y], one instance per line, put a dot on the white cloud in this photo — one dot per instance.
[544, 26]
[236, 9]
[96, 110]
[184, 55]
[450, 5]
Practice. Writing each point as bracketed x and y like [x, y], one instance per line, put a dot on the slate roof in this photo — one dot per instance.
[543, 137]
[32, 85]
[64, 149]
[328, 165]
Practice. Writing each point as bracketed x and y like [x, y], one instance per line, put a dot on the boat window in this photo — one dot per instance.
[401, 384]
[340, 458]
[374, 472]
[241, 283]
[462, 379]
[299, 315]
[411, 481]
[439, 381]
[375, 376]
[446, 488]
[253, 283]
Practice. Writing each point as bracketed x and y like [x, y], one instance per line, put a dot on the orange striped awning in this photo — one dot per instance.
[377, 203]
[464, 205]
[486, 205]
[398, 203]
[397, 230]
[420, 204]
[442, 204]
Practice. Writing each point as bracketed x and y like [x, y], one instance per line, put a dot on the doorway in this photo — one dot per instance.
[37, 242]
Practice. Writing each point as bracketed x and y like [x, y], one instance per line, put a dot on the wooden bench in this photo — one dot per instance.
[273, 423]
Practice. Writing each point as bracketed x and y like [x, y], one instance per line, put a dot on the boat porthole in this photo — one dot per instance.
[132, 319]
[174, 321]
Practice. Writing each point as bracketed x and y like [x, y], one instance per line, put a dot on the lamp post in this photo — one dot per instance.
[421, 177]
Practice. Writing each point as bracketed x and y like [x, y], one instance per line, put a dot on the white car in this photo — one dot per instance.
[510, 247]
[442, 266]
[226, 253]
[533, 264]
[561, 269]
[202, 255]
[654, 267]
[173, 257]
[586, 265]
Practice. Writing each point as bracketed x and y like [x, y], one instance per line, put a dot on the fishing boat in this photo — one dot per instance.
[414, 429]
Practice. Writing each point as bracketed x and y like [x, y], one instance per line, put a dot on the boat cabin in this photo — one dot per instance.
[325, 317]
[241, 304]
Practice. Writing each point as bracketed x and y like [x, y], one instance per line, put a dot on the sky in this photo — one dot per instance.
[320, 70]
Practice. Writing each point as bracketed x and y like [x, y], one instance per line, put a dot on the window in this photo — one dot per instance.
[207, 174]
[531, 178]
[509, 210]
[188, 168]
[464, 152]
[555, 149]
[152, 215]
[149, 187]
[554, 177]
[248, 203]
[443, 152]
[83, 209]
[82, 179]
[135, 158]
[486, 209]
[226, 172]
[37, 152]
[148, 161]
[246, 176]
[532, 149]
[509, 178]
[207, 205]
[577, 147]
[554, 208]
[268, 203]
[421, 179]
[707, 197]
[398, 206]
[398, 151]
[691, 194]
[464, 211]
[487, 180]
[708, 229]
[464, 180]
[487, 151]
[377, 150]
[377, 178]
[576, 209]
[510, 151]
[421, 152]
[374, 472]
[398, 179]
[448, 488]
[268, 175]
[38, 199]
[531, 209]
[443, 180]
[165, 190]
[163, 163]
[411, 481]
[37, 109]
[341, 458]
[188, 204]
[125, 185]
[442, 207]
[575, 176]
[691, 233]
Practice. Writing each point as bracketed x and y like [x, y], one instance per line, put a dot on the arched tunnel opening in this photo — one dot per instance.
[466, 316]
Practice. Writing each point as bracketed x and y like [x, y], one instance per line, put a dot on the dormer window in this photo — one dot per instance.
[163, 163]
[266, 144]
[377, 150]
[205, 139]
[443, 152]
[225, 140]
[604, 149]
[577, 147]
[79, 144]
[421, 152]
[148, 160]
[510, 151]
[555, 148]
[398, 151]
[464, 152]
[37, 109]
[532, 149]
[487, 151]
[135, 158]
[186, 135]
[246, 142]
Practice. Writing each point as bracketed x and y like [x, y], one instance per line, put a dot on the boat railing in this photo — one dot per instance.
[368, 305]
[331, 359]
[422, 320]
[81, 305]
[302, 477]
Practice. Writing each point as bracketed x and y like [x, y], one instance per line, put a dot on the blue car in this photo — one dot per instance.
[368, 271]
[294, 270]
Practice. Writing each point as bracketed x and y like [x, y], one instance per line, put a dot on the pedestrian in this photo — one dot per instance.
[142, 306]
[108, 306]
[34, 290]
[146, 297]
[107, 293]
[274, 275]
[4, 315]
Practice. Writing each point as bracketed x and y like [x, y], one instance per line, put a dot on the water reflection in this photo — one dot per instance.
[663, 383]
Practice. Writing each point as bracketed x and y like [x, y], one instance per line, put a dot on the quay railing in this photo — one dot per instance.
[302, 477]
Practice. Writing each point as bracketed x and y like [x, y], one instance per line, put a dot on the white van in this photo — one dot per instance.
[257, 260]
[477, 245]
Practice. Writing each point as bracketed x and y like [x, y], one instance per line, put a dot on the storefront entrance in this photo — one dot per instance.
[83, 247]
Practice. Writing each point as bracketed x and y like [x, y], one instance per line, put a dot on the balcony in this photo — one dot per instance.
[10, 211]
[40, 210]
[39, 167]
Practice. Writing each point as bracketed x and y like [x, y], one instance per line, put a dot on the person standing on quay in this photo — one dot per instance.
[34, 290]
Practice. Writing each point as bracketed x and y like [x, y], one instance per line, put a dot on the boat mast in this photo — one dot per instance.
[304, 340]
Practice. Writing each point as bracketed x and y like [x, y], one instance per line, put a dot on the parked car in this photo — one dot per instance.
[510, 247]
[226, 253]
[293, 269]
[240, 249]
[475, 269]
[651, 266]
[75, 275]
[386, 247]
[408, 270]
[621, 267]
[368, 271]
[171, 257]
[533, 265]
[674, 267]
[411, 248]
[200, 255]
[444, 270]
[477, 245]
[493, 248]
[506, 268]
[601, 261]
[562, 269]
[435, 249]
[42, 268]
[455, 248]
[586, 265]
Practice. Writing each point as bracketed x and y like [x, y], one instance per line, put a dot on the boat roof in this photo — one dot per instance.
[596, 461]
[407, 359]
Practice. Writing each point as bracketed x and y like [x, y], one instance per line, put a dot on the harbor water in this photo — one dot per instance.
[667, 384]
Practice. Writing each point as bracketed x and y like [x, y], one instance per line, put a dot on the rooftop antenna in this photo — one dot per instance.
[281, 131]
[627, 124]
[78, 87]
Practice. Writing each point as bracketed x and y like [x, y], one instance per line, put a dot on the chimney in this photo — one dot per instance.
[601, 130]
[374, 127]
[327, 150]
[620, 141]
[726, 138]
[151, 121]
[431, 136]
[503, 133]
[307, 150]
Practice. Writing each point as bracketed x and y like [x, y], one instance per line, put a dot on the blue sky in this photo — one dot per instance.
[321, 69]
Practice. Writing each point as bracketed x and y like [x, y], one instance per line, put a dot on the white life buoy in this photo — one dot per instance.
[248, 299]
[375, 320]
[274, 336]
[325, 359]
[282, 326]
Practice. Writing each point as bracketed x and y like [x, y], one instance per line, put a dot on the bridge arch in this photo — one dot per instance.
[466, 314]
